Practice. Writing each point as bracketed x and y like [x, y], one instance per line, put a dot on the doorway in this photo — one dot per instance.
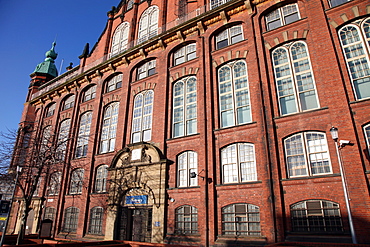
[134, 224]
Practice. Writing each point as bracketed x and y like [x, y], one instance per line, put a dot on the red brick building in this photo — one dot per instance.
[208, 122]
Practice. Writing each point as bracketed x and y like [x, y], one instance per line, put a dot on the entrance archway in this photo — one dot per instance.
[137, 194]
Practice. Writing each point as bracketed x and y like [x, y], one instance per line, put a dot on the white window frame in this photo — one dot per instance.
[184, 54]
[101, 179]
[302, 152]
[77, 180]
[89, 94]
[142, 117]
[120, 38]
[185, 107]
[71, 219]
[187, 162]
[289, 72]
[358, 65]
[367, 136]
[148, 24]
[114, 83]
[281, 15]
[96, 221]
[63, 138]
[83, 134]
[215, 3]
[186, 220]
[147, 69]
[229, 36]
[237, 222]
[337, 2]
[69, 102]
[238, 162]
[234, 100]
[50, 110]
[109, 128]
[54, 183]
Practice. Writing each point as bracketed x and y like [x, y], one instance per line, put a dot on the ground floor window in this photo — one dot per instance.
[316, 216]
[241, 219]
[186, 220]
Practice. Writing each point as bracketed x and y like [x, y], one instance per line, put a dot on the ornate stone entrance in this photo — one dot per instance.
[137, 194]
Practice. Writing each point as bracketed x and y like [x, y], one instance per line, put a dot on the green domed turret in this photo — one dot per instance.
[48, 66]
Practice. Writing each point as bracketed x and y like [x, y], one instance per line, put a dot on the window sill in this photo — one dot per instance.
[183, 188]
[243, 183]
[302, 112]
[312, 177]
[235, 126]
[180, 137]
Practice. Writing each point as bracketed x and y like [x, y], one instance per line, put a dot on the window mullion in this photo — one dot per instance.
[306, 154]
[294, 81]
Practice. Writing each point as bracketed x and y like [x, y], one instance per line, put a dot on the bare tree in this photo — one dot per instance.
[38, 154]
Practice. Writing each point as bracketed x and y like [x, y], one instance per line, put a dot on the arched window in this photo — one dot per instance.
[147, 69]
[50, 213]
[71, 219]
[114, 83]
[282, 16]
[101, 179]
[108, 135]
[241, 219]
[307, 154]
[185, 107]
[355, 41]
[148, 24]
[184, 54]
[142, 117]
[295, 83]
[316, 216]
[77, 179]
[63, 138]
[367, 136]
[83, 135]
[47, 140]
[96, 220]
[187, 163]
[120, 38]
[89, 94]
[69, 102]
[216, 3]
[186, 220]
[229, 36]
[54, 183]
[50, 110]
[235, 108]
[238, 163]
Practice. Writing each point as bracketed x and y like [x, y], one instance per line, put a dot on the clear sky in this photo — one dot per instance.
[27, 30]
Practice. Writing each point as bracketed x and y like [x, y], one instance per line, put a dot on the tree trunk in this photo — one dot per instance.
[22, 228]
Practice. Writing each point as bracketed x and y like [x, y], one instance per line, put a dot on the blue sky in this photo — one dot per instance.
[27, 30]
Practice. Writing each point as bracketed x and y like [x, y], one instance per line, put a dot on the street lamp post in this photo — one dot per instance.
[334, 135]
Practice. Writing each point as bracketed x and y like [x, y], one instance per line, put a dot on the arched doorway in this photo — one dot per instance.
[137, 194]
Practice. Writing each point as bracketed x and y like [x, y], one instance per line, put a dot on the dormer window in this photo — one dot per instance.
[148, 25]
[120, 39]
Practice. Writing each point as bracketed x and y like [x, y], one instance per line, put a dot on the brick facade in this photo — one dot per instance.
[274, 190]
